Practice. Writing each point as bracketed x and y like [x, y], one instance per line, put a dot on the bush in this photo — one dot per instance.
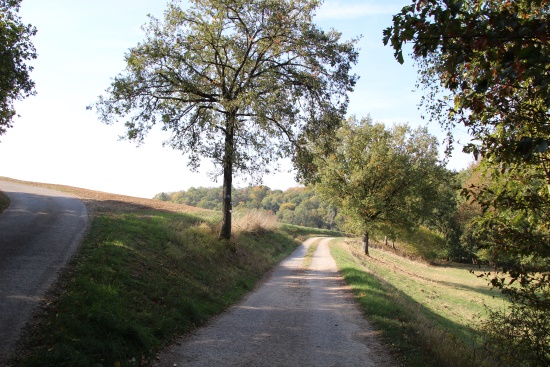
[254, 221]
[518, 336]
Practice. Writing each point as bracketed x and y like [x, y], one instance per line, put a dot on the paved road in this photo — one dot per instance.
[39, 233]
[299, 317]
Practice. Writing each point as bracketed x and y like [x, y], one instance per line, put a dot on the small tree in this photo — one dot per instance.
[16, 49]
[240, 82]
[380, 177]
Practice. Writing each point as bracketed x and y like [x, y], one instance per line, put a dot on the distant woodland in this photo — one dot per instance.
[297, 205]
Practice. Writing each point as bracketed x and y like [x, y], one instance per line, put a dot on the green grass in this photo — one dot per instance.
[428, 314]
[308, 257]
[143, 278]
[4, 201]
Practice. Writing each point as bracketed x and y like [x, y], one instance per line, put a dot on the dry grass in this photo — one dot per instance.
[254, 221]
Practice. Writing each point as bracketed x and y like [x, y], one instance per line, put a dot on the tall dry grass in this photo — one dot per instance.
[254, 221]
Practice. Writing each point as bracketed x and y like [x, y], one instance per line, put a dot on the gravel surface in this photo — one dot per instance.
[298, 317]
[39, 232]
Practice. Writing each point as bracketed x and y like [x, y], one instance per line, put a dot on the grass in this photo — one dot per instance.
[308, 257]
[143, 277]
[426, 313]
[4, 201]
[254, 221]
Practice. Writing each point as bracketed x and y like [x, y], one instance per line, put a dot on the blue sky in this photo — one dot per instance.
[81, 46]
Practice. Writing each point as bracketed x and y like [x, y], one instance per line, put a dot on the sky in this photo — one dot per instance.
[81, 46]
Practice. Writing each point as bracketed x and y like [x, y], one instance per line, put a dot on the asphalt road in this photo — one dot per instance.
[39, 233]
[298, 317]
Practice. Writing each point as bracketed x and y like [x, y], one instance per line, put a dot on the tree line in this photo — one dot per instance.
[298, 205]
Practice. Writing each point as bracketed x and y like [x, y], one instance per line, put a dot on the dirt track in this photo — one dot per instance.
[298, 317]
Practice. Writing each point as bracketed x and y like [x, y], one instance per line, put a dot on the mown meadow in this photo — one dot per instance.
[427, 313]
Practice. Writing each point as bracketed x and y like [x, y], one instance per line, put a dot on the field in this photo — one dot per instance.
[427, 313]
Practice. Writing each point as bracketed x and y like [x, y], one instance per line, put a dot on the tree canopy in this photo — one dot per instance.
[485, 65]
[380, 177]
[16, 49]
[239, 82]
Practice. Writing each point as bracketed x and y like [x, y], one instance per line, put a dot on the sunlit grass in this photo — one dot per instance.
[428, 313]
[254, 221]
[308, 257]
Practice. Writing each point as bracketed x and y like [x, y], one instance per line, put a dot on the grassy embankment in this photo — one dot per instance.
[145, 274]
[426, 313]
[4, 201]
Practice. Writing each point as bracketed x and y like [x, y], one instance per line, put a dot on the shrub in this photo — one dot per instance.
[254, 221]
[518, 336]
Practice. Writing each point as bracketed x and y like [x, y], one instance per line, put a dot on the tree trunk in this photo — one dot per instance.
[225, 232]
[366, 243]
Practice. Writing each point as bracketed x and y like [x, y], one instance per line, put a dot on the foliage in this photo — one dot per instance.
[239, 82]
[16, 49]
[380, 177]
[514, 227]
[518, 336]
[462, 243]
[490, 59]
[485, 65]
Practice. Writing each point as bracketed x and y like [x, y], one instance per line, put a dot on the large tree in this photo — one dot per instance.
[242, 82]
[380, 177]
[16, 49]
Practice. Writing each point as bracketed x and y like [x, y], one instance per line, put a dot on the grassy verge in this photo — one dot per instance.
[426, 313]
[141, 278]
[4, 201]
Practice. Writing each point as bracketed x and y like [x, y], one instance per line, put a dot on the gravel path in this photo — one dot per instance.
[298, 317]
[39, 232]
